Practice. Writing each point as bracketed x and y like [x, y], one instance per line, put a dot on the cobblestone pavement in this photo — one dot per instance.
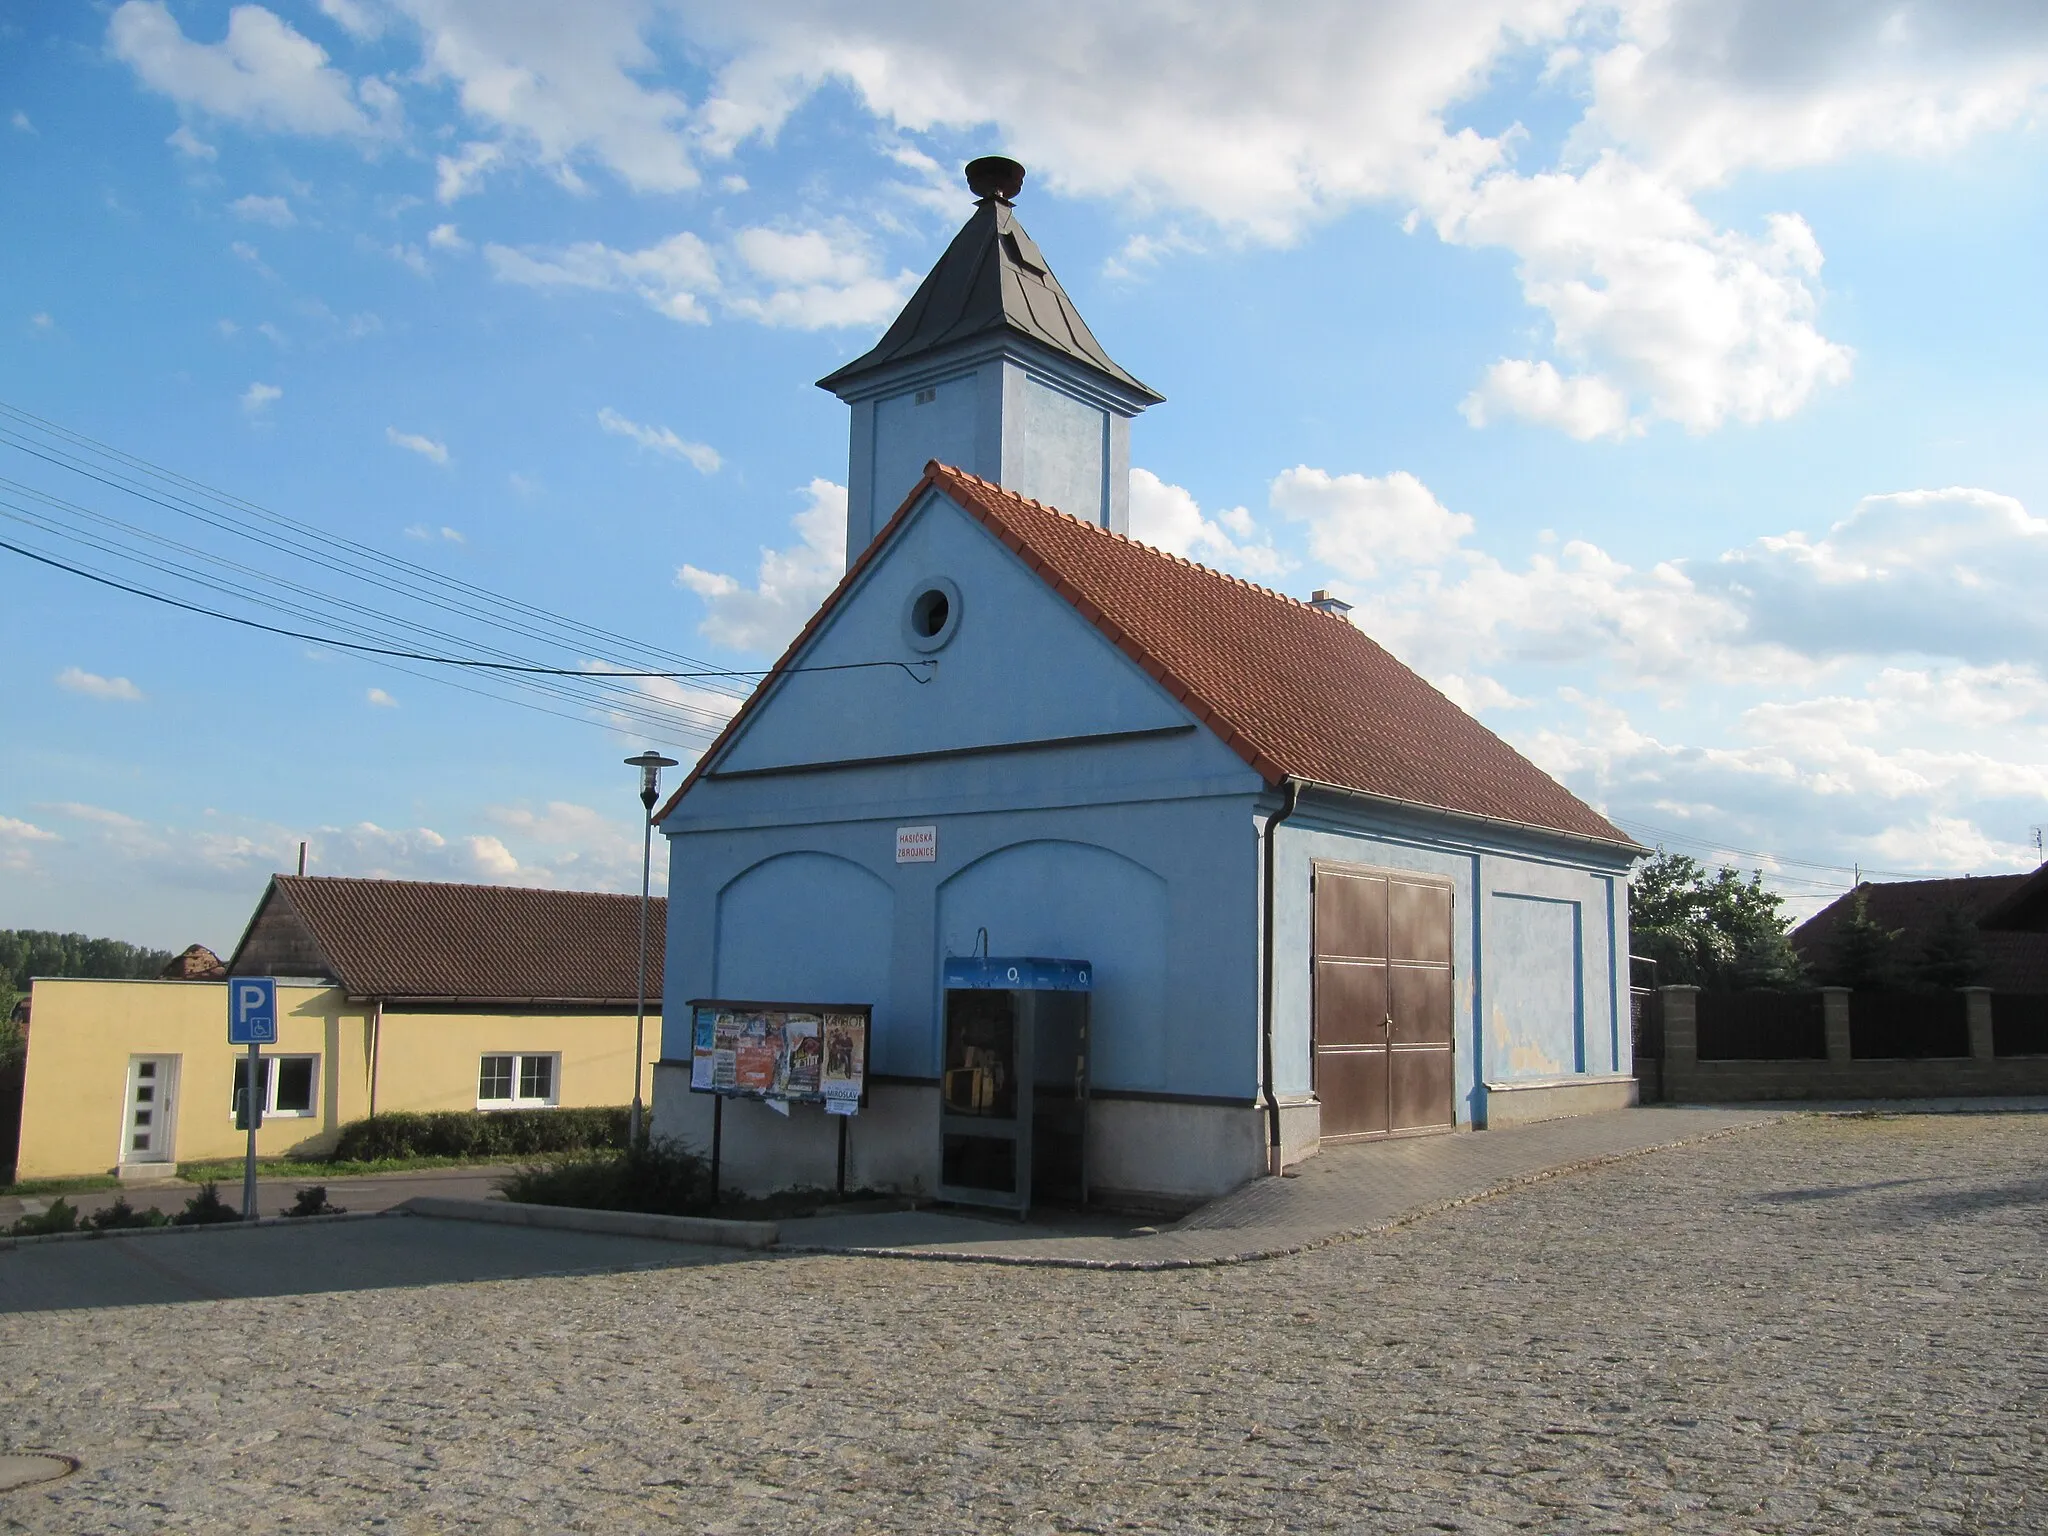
[1343, 1191]
[1815, 1325]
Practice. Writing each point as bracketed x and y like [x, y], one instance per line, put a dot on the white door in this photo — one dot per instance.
[146, 1133]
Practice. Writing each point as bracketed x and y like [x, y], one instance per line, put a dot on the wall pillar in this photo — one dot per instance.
[1681, 1027]
[1834, 1015]
[1977, 1003]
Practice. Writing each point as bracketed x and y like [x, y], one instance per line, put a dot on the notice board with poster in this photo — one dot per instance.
[783, 1053]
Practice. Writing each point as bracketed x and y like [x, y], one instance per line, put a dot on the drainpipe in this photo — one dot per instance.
[376, 1040]
[1266, 981]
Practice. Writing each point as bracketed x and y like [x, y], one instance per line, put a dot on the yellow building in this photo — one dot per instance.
[392, 995]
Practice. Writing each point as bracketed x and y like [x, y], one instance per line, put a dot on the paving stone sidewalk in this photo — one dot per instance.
[1342, 1192]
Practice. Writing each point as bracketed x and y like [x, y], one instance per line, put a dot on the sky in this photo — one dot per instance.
[1662, 379]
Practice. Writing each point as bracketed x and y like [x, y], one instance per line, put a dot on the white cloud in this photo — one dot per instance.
[254, 257]
[1703, 89]
[1955, 572]
[360, 21]
[41, 321]
[274, 211]
[1168, 517]
[21, 123]
[379, 698]
[671, 276]
[410, 257]
[262, 73]
[1266, 122]
[93, 686]
[789, 584]
[190, 145]
[426, 533]
[98, 815]
[1356, 522]
[807, 279]
[18, 840]
[456, 176]
[257, 398]
[700, 456]
[413, 442]
[1701, 325]
[814, 279]
[1579, 406]
[445, 237]
[556, 89]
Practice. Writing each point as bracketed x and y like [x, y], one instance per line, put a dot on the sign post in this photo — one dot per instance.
[252, 1021]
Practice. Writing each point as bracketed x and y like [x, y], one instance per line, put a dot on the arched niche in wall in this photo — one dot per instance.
[1077, 901]
[806, 927]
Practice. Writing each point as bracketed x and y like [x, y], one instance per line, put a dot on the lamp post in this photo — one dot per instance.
[650, 763]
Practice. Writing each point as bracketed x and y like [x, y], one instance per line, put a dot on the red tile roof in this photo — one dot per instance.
[2014, 962]
[1296, 692]
[429, 941]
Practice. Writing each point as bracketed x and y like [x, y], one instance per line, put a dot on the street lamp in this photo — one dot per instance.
[650, 763]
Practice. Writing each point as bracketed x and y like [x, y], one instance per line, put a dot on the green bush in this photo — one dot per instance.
[312, 1201]
[206, 1208]
[121, 1215]
[62, 1216]
[480, 1134]
[662, 1177]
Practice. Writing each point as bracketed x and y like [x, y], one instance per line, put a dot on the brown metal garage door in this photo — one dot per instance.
[1383, 1062]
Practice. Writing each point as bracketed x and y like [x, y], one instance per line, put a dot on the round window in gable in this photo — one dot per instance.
[932, 615]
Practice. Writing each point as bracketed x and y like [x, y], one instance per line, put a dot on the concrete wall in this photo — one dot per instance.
[85, 1033]
[1539, 948]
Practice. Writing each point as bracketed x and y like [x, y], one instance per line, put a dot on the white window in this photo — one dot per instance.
[289, 1085]
[527, 1080]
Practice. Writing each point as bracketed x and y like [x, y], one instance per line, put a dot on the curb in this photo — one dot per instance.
[708, 1230]
[1284, 1250]
[7, 1242]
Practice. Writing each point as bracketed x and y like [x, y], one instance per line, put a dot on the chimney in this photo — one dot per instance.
[1328, 604]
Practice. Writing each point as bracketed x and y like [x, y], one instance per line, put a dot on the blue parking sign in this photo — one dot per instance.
[252, 1010]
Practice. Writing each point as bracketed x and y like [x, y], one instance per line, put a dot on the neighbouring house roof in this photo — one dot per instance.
[428, 942]
[2014, 962]
[196, 963]
[1298, 693]
[2023, 909]
[992, 280]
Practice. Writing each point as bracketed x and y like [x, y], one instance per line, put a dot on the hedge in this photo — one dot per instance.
[480, 1133]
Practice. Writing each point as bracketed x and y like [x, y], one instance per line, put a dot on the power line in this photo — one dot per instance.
[602, 683]
[299, 539]
[1710, 846]
[909, 668]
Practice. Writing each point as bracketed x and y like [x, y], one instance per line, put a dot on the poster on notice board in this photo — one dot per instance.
[782, 1053]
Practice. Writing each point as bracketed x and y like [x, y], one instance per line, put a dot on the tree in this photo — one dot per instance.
[1714, 930]
[1952, 955]
[26, 953]
[1862, 953]
[29, 952]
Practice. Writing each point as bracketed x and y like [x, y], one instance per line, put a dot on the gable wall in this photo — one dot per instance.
[1540, 946]
[1022, 666]
[279, 944]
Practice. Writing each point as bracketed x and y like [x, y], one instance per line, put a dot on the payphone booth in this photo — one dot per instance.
[1013, 1097]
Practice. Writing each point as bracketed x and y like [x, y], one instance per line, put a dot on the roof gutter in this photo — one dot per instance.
[1266, 979]
[1623, 845]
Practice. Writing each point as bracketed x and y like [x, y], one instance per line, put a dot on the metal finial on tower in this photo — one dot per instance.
[995, 176]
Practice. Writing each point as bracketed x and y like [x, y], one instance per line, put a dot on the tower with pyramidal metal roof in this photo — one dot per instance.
[990, 368]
